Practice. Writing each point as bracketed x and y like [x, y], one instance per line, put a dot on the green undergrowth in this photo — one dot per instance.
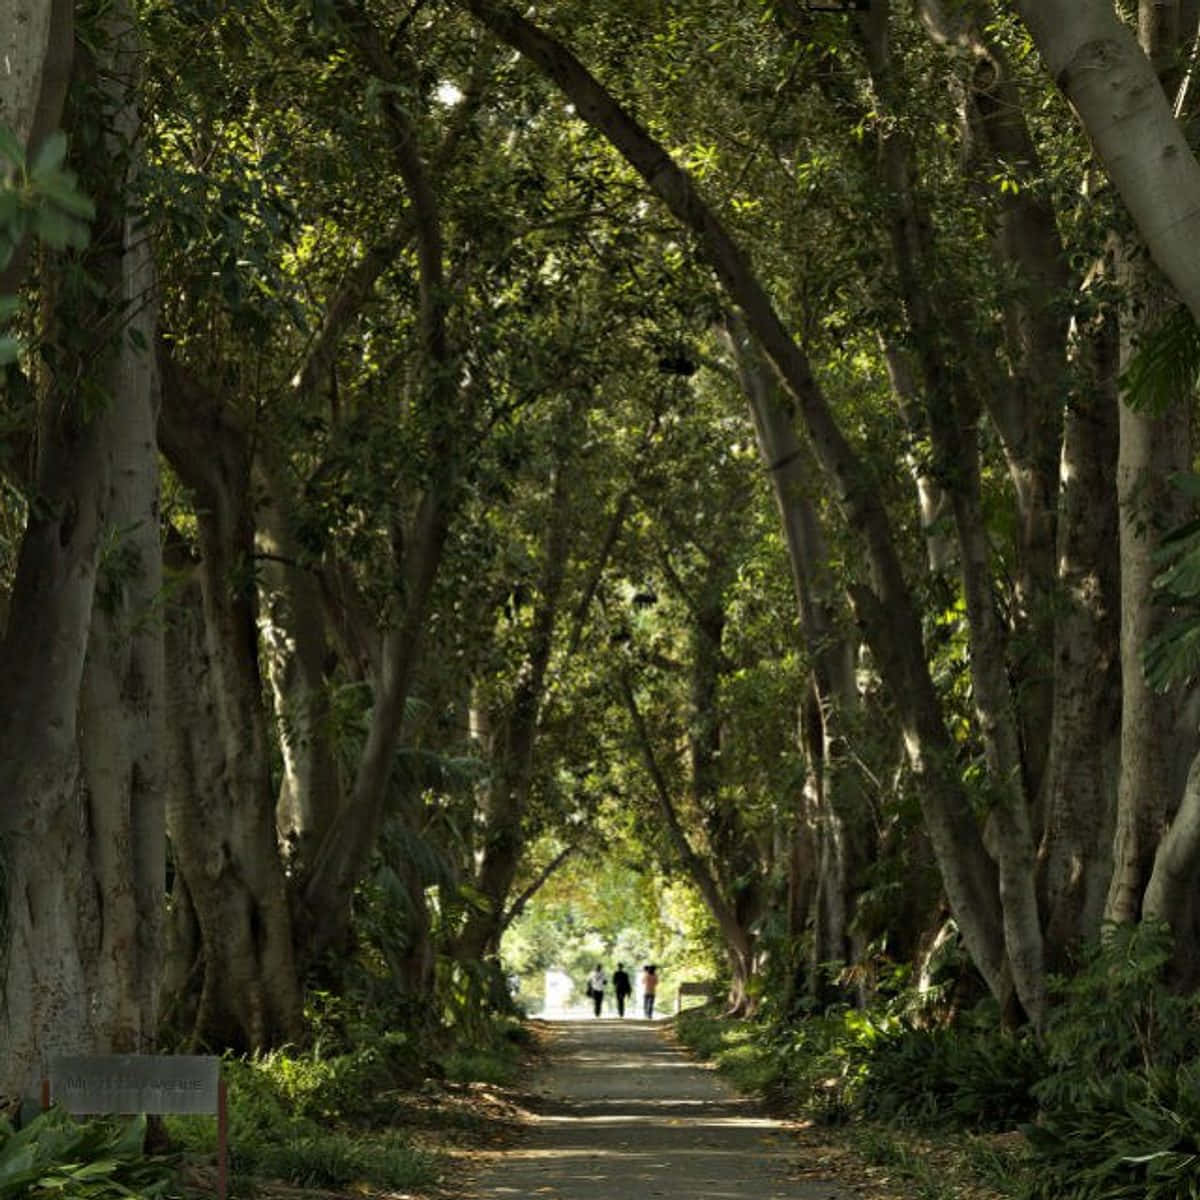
[56, 1156]
[362, 1114]
[1105, 1105]
[914, 1103]
[354, 1119]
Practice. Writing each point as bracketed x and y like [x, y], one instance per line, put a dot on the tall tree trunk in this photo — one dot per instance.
[1153, 446]
[81, 704]
[122, 726]
[737, 938]
[36, 47]
[444, 399]
[1027, 408]
[952, 410]
[937, 518]
[221, 808]
[297, 651]
[825, 623]
[1075, 856]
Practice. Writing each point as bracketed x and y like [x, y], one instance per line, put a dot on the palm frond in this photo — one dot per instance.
[1165, 369]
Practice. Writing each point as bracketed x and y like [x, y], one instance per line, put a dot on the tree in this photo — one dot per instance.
[83, 695]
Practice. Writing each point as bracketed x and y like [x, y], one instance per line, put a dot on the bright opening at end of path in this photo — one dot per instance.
[563, 1000]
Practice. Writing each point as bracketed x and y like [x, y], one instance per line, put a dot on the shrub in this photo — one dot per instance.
[55, 1155]
[1132, 1136]
[1120, 1109]
[1118, 1014]
[968, 1079]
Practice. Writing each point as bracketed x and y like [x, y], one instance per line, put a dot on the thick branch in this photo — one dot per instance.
[518, 905]
[1096, 61]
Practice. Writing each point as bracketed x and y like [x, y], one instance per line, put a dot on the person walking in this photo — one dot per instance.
[597, 982]
[649, 987]
[622, 987]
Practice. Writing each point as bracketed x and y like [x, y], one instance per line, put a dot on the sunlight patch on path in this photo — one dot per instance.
[621, 1113]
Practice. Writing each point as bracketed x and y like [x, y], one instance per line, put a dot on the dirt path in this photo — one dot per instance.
[620, 1113]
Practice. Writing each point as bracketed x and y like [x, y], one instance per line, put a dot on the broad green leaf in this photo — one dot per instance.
[11, 149]
[59, 230]
[132, 1137]
[50, 155]
[1165, 368]
[1188, 482]
[59, 186]
[10, 350]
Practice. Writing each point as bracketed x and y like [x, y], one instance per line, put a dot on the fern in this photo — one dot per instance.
[1166, 368]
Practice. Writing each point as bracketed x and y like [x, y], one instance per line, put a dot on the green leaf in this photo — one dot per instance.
[50, 155]
[10, 350]
[53, 227]
[11, 149]
[1165, 369]
[1173, 655]
[132, 1137]
[1188, 482]
[59, 186]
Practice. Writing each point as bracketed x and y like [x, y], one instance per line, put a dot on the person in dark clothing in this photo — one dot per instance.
[622, 987]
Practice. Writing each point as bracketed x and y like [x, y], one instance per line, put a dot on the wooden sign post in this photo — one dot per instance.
[116, 1084]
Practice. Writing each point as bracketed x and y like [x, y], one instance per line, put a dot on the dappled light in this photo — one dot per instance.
[621, 1111]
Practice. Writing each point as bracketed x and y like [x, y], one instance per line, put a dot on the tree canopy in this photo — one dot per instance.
[486, 489]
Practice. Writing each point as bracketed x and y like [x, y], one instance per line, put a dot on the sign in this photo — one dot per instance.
[116, 1084]
[136, 1083]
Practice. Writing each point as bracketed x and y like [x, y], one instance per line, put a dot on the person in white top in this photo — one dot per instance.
[597, 982]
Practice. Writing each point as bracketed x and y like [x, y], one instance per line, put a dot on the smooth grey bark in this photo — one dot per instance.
[296, 650]
[81, 701]
[122, 725]
[1078, 811]
[952, 413]
[1096, 61]
[1153, 446]
[884, 606]
[221, 807]
[122, 717]
[833, 792]
[937, 519]
[1169, 894]
[48, 920]
[36, 54]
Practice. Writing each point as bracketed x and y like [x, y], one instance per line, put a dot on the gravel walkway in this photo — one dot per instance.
[621, 1113]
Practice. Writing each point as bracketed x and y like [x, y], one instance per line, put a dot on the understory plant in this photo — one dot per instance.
[55, 1155]
[1120, 1107]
